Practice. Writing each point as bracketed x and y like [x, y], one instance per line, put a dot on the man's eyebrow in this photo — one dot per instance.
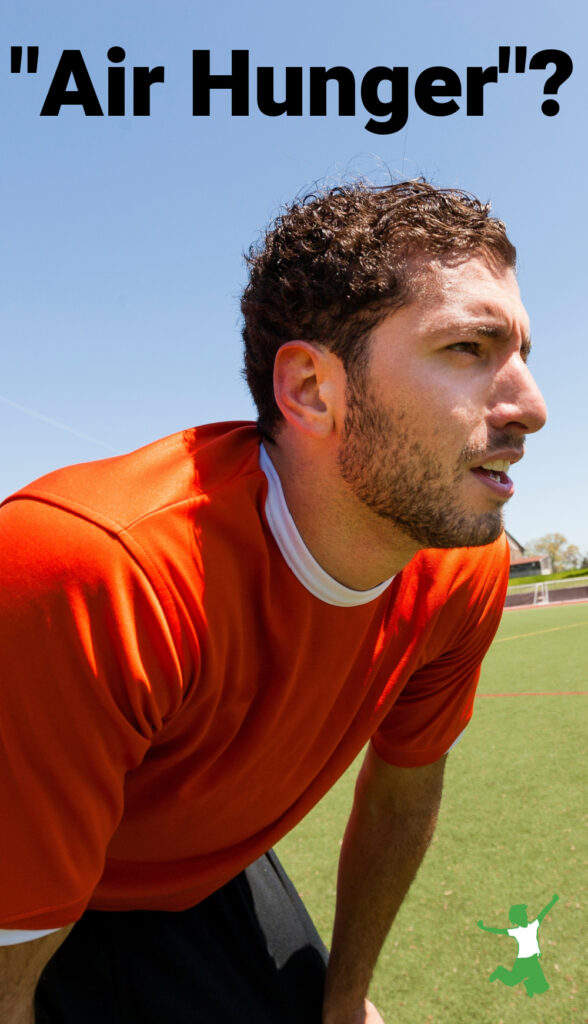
[497, 331]
[500, 332]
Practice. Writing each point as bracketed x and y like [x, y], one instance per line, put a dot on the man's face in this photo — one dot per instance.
[442, 409]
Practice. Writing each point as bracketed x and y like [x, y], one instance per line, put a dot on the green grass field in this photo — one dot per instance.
[512, 830]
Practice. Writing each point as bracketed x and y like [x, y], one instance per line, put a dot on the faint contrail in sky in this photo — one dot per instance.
[56, 423]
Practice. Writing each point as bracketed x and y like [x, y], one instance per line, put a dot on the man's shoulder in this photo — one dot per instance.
[472, 557]
[462, 570]
[171, 472]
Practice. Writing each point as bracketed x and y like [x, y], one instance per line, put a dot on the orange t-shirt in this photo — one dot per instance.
[174, 699]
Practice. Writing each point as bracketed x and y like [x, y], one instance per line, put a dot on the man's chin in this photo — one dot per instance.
[479, 532]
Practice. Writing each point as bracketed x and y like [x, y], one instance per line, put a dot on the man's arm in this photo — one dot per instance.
[21, 967]
[547, 908]
[391, 824]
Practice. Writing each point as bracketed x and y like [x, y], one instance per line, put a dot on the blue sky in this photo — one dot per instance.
[123, 236]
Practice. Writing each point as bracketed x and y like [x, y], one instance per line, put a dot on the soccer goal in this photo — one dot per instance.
[547, 592]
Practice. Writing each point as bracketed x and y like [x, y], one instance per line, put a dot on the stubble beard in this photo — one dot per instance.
[394, 475]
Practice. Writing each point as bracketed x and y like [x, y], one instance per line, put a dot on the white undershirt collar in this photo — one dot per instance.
[296, 554]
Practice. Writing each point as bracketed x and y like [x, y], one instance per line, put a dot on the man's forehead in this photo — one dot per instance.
[444, 273]
[475, 291]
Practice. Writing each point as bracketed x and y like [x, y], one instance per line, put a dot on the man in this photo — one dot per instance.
[199, 637]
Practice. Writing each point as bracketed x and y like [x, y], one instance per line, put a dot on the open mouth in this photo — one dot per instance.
[495, 473]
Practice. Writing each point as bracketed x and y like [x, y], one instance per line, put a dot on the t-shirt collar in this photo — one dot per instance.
[296, 554]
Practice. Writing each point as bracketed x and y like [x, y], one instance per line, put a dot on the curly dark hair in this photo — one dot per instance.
[335, 263]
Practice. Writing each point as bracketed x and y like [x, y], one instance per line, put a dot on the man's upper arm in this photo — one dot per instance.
[390, 789]
[84, 661]
[436, 703]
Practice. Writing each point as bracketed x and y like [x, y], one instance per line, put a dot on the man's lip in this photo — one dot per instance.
[511, 455]
[503, 488]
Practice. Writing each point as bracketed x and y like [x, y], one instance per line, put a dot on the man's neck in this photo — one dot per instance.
[350, 542]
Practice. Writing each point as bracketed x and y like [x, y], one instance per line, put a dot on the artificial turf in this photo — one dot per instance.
[512, 830]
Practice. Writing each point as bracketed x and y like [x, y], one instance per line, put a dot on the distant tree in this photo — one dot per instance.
[563, 554]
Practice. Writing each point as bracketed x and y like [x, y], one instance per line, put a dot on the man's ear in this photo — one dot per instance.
[307, 378]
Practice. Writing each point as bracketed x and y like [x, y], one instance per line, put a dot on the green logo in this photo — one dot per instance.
[526, 967]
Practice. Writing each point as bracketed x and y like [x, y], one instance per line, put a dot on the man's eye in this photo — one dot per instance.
[466, 346]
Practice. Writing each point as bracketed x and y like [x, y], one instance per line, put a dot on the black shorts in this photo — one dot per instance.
[248, 954]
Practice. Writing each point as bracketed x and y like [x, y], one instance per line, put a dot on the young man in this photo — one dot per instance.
[199, 637]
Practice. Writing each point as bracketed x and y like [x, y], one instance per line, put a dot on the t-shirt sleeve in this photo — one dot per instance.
[88, 672]
[437, 703]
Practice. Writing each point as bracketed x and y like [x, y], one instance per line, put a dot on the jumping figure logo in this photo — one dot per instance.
[527, 967]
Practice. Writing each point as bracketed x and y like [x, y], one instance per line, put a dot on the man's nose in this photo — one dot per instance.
[518, 401]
